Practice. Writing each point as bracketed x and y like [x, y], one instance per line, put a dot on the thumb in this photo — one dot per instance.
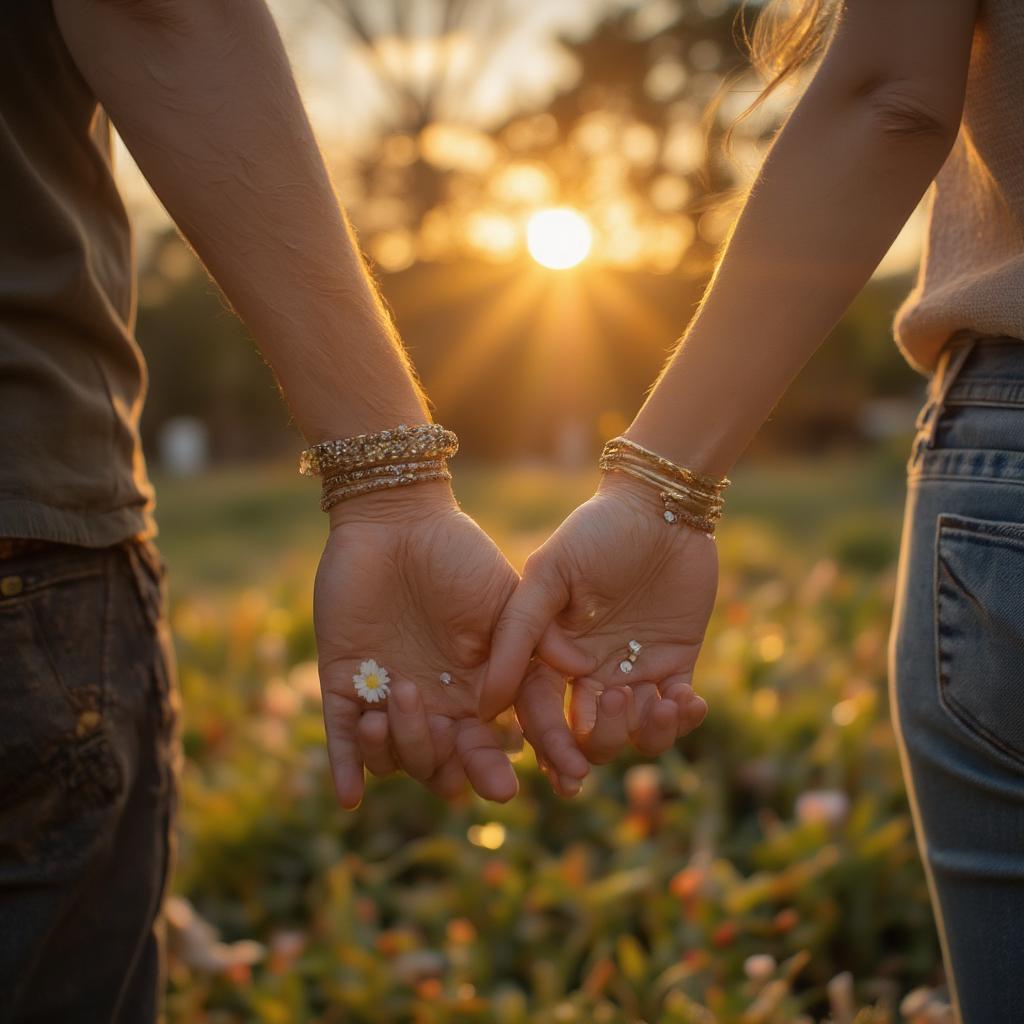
[539, 597]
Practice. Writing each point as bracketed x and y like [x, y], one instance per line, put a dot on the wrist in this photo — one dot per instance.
[633, 493]
[705, 451]
[396, 505]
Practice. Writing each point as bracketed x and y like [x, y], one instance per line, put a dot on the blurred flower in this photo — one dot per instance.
[196, 942]
[280, 700]
[393, 941]
[841, 999]
[829, 806]
[785, 920]
[819, 581]
[461, 931]
[285, 948]
[495, 872]
[273, 734]
[643, 787]
[490, 836]
[687, 884]
[759, 967]
[925, 1006]
[304, 679]
[724, 934]
[430, 989]
[419, 965]
[372, 681]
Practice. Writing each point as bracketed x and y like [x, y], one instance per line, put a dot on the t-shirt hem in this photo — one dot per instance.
[26, 519]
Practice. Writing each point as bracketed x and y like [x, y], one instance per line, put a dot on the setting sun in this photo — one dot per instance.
[558, 238]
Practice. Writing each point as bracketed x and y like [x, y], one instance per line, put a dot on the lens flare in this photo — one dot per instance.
[558, 238]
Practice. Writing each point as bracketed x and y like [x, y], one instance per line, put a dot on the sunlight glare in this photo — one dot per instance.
[558, 238]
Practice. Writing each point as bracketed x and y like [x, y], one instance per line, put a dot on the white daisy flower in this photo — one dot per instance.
[372, 681]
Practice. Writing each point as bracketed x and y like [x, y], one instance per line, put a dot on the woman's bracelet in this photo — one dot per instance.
[687, 496]
[367, 463]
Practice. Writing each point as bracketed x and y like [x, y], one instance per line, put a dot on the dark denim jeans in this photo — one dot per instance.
[88, 752]
[957, 668]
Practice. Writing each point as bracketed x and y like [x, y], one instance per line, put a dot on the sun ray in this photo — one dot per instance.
[491, 333]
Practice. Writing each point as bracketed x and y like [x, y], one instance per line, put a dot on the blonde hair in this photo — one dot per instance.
[787, 37]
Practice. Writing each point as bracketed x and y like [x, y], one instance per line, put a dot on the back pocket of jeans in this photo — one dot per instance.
[979, 577]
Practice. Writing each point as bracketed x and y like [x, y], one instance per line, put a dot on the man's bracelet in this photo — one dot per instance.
[423, 441]
[367, 463]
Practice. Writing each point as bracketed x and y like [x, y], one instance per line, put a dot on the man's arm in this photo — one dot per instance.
[202, 94]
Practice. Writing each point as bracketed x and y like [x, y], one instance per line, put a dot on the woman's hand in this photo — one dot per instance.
[409, 581]
[613, 572]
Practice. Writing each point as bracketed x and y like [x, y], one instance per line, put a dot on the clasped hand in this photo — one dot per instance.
[408, 580]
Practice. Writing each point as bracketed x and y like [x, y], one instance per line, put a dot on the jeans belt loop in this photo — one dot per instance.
[951, 362]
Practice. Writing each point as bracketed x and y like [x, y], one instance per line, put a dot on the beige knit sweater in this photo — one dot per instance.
[972, 270]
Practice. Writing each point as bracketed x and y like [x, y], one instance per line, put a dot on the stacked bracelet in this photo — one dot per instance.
[376, 462]
[688, 497]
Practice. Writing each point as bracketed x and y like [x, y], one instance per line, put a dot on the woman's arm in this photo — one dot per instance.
[840, 180]
[843, 175]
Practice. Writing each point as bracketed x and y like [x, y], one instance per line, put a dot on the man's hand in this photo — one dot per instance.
[613, 572]
[408, 580]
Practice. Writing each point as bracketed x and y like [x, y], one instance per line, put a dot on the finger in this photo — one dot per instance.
[561, 785]
[540, 709]
[540, 596]
[610, 734]
[563, 654]
[449, 780]
[654, 662]
[410, 732]
[658, 731]
[692, 709]
[486, 765]
[583, 705]
[341, 719]
[645, 696]
[375, 743]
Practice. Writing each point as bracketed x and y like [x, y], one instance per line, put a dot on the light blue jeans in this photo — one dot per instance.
[957, 668]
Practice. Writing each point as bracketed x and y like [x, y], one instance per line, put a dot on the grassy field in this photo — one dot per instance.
[763, 872]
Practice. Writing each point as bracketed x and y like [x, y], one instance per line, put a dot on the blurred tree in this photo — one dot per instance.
[202, 362]
[626, 143]
[515, 356]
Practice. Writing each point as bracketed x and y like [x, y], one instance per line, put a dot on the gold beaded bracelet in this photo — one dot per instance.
[411, 475]
[423, 441]
[687, 496]
[366, 463]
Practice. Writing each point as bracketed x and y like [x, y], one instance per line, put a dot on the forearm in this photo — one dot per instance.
[204, 98]
[839, 182]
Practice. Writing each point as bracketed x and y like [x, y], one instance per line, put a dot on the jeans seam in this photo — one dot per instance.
[947, 701]
[919, 477]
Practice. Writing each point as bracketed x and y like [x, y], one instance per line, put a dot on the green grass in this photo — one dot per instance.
[641, 901]
[244, 526]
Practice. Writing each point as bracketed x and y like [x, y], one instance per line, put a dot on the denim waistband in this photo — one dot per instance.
[982, 373]
[992, 373]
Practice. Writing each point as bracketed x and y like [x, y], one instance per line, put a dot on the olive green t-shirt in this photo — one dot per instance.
[72, 378]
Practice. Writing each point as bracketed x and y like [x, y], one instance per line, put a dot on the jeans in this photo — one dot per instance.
[88, 758]
[957, 668]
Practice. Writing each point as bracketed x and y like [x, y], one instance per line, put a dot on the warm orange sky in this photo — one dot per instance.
[523, 70]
